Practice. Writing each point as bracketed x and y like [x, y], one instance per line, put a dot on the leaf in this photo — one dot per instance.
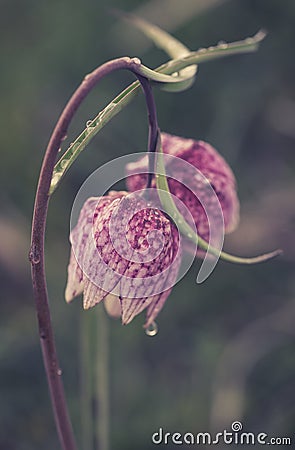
[172, 46]
[119, 102]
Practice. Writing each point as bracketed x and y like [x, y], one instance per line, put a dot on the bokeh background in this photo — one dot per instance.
[225, 349]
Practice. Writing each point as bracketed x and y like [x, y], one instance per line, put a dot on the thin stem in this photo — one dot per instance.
[102, 381]
[86, 381]
[153, 126]
[36, 255]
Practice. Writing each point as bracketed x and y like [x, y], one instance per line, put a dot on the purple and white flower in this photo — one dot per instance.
[216, 173]
[124, 252]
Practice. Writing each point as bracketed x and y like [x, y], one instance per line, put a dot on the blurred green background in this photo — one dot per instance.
[225, 349]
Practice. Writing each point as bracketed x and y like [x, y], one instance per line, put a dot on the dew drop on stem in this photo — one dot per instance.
[34, 255]
[222, 45]
[64, 164]
[136, 61]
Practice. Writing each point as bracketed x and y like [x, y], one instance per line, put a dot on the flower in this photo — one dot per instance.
[125, 252]
[212, 166]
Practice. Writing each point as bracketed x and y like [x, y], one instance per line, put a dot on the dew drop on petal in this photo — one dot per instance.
[152, 329]
[59, 372]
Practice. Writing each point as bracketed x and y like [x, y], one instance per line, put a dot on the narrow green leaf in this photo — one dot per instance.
[159, 77]
[170, 207]
[172, 46]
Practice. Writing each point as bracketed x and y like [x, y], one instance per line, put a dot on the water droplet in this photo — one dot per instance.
[222, 44]
[136, 61]
[106, 110]
[63, 164]
[59, 372]
[111, 106]
[55, 180]
[34, 255]
[189, 235]
[71, 147]
[250, 40]
[89, 123]
[152, 329]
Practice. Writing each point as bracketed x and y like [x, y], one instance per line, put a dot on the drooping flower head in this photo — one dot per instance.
[124, 252]
[216, 173]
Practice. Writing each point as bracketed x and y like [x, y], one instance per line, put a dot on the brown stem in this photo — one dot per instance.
[36, 255]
